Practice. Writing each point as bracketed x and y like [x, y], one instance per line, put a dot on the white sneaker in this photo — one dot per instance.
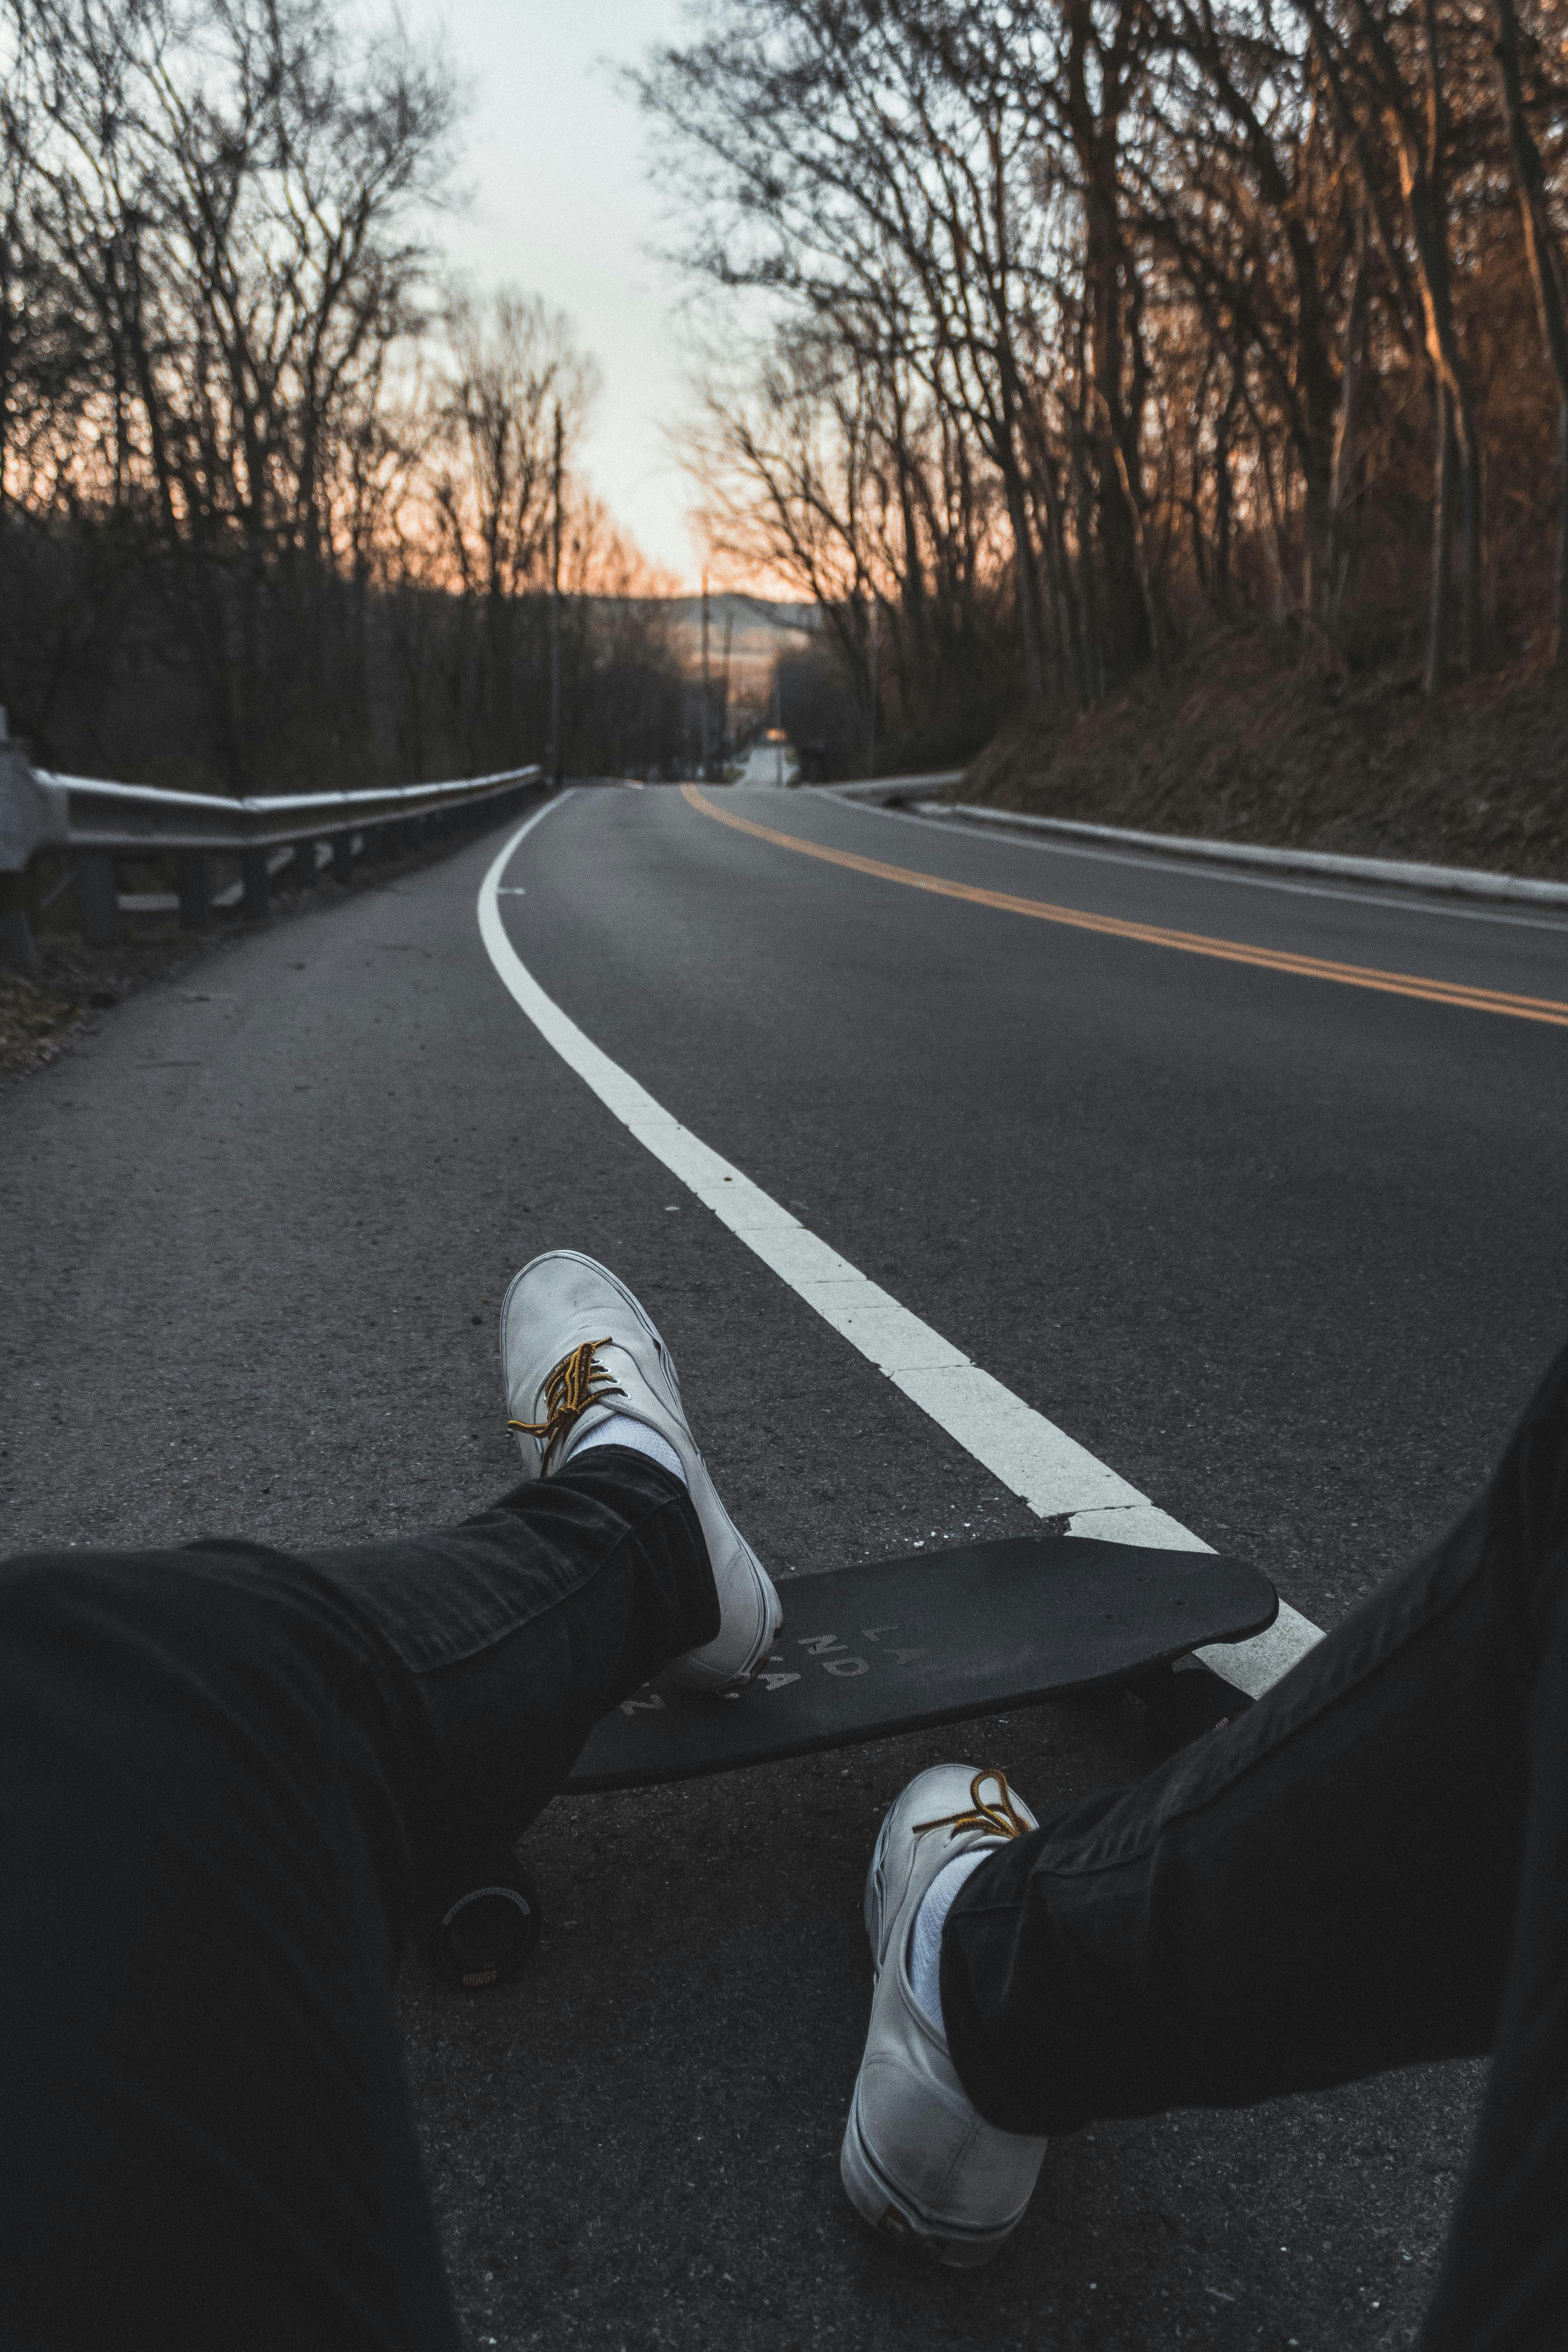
[575, 1347]
[919, 2162]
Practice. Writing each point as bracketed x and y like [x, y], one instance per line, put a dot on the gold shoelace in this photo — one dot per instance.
[1001, 1818]
[576, 1382]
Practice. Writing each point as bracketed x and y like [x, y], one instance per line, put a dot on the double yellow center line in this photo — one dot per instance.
[1157, 934]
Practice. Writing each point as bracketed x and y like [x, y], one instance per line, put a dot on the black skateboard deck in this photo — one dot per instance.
[897, 1644]
[892, 1646]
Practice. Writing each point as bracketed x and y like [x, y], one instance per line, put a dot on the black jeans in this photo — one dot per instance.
[1368, 1868]
[224, 1774]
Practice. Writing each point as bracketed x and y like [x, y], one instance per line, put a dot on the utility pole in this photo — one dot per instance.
[555, 617]
[724, 692]
[778, 730]
[703, 738]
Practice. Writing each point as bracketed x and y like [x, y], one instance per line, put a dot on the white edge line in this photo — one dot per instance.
[1048, 1470]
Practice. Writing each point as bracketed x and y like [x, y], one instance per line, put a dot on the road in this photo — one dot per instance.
[769, 763]
[1282, 1249]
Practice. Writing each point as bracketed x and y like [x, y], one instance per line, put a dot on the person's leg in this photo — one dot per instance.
[1327, 1887]
[221, 1769]
[1333, 1884]
[515, 1658]
[1503, 2285]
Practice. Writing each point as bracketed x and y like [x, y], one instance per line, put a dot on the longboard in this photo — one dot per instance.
[894, 1645]
[890, 1646]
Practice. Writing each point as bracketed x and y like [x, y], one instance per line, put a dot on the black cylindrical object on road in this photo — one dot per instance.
[484, 1935]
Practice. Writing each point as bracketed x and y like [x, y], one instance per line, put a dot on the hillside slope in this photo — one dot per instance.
[1244, 740]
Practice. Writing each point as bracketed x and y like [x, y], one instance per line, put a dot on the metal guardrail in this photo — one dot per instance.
[908, 793]
[892, 788]
[1387, 873]
[97, 825]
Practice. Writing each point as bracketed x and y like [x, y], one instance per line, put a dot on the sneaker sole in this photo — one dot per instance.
[772, 1621]
[877, 2202]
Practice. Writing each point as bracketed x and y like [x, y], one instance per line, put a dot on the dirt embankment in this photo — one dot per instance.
[1247, 738]
[34, 1023]
[75, 985]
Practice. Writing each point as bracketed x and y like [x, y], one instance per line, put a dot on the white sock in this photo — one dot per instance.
[622, 1430]
[925, 1935]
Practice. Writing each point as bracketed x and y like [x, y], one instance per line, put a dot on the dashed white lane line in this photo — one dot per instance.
[1055, 1476]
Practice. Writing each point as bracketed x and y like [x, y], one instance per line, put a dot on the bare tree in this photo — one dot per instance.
[510, 367]
[225, 192]
[1548, 271]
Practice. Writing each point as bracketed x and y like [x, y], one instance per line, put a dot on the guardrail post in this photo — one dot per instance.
[301, 870]
[18, 948]
[193, 883]
[255, 882]
[96, 895]
[342, 856]
[26, 823]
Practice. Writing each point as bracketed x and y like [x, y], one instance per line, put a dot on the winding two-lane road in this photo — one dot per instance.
[1284, 1251]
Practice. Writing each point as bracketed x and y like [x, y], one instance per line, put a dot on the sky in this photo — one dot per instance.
[551, 153]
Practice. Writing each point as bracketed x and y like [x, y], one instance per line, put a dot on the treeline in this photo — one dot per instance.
[275, 510]
[1091, 321]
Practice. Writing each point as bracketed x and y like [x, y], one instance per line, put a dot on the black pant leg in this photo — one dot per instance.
[204, 2133]
[514, 1665]
[217, 1767]
[1328, 1886]
[1503, 2286]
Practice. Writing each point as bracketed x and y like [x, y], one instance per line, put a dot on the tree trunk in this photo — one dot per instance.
[1353, 363]
[1559, 597]
[1547, 276]
[1141, 571]
[1317, 520]
[1070, 620]
[1028, 596]
[1442, 536]
[1471, 621]
[1093, 109]
[1224, 509]
[1093, 631]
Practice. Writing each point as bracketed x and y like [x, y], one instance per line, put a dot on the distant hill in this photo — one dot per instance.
[760, 629]
[750, 611]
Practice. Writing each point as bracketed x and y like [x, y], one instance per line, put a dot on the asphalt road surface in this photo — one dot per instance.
[1285, 1250]
[769, 763]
